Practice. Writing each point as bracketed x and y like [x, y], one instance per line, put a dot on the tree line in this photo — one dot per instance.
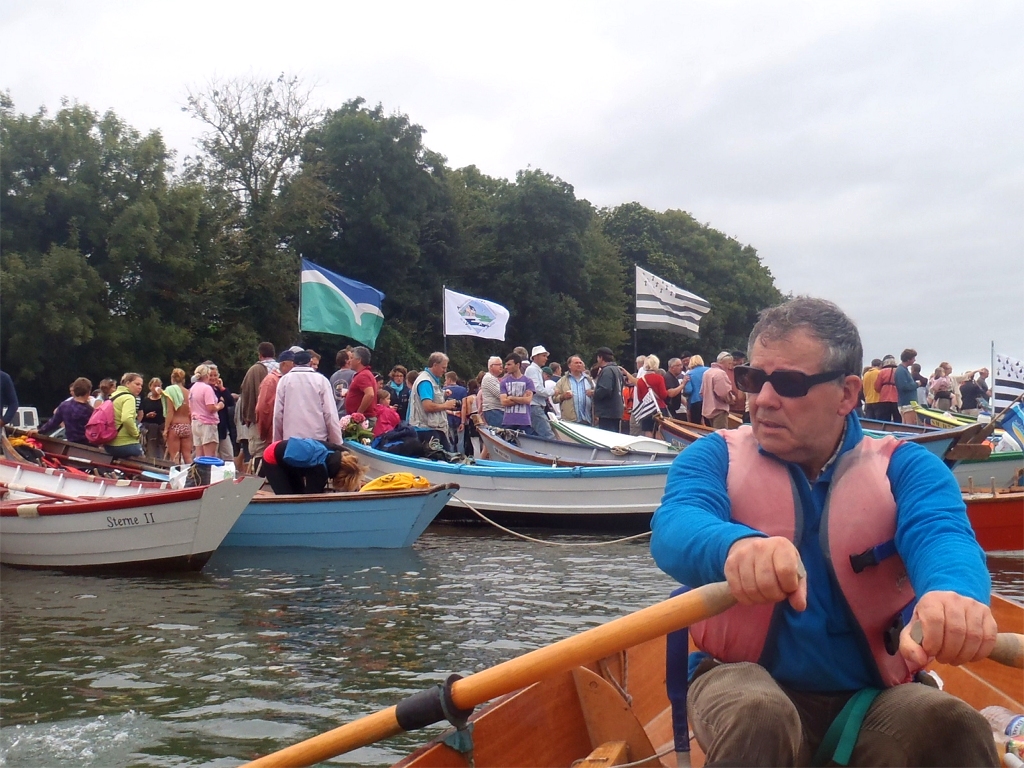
[112, 259]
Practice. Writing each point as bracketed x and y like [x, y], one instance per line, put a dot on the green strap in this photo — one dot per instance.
[841, 737]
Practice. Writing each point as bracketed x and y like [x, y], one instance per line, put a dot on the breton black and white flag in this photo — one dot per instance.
[666, 307]
[1007, 381]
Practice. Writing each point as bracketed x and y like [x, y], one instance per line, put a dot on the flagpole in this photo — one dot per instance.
[299, 328]
[992, 381]
[444, 321]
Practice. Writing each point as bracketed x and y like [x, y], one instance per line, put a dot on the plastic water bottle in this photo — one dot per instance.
[1004, 721]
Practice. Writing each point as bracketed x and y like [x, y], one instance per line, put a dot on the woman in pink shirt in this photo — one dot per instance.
[205, 405]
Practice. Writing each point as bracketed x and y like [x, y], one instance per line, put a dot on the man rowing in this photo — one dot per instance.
[879, 528]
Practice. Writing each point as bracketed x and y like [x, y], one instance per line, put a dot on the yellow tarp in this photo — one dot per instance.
[396, 481]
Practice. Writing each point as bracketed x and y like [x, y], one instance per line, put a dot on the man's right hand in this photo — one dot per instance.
[761, 570]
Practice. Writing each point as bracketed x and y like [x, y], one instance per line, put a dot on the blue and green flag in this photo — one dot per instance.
[334, 304]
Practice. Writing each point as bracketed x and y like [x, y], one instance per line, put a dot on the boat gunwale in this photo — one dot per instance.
[298, 498]
[84, 506]
[503, 469]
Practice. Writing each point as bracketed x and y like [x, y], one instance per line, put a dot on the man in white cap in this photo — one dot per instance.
[538, 407]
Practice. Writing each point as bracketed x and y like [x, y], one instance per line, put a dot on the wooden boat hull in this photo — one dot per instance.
[158, 530]
[602, 438]
[372, 520]
[929, 417]
[680, 433]
[567, 717]
[622, 498]
[534, 451]
[997, 520]
[880, 425]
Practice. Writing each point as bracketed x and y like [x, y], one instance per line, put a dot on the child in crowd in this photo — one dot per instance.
[387, 417]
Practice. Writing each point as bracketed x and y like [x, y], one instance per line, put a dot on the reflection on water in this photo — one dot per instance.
[265, 648]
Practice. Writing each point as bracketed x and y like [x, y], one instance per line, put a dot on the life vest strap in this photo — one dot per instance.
[873, 556]
[841, 737]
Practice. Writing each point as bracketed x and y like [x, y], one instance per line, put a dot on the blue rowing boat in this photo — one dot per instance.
[358, 520]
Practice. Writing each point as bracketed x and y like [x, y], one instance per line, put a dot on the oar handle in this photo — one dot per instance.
[1008, 650]
[639, 627]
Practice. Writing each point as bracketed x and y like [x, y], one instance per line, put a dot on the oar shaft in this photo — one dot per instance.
[646, 624]
[365, 730]
[596, 643]
[38, 491]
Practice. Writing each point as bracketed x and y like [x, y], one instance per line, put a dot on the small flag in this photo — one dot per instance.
[334, 304]
[1013, 422]
[1007, 382]
[663, 306]
[469, 316]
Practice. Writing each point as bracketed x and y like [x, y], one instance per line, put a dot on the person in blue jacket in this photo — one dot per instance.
[691, 389]
[775, 709]
[302, 465]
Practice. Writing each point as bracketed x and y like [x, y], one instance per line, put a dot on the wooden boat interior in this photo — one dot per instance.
[616, 710]
[85, 456]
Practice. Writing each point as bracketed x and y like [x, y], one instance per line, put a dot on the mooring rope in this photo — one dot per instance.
[638, 763]
[523, 536]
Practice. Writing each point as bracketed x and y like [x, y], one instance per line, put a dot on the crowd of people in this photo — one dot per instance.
[287, 395]
[890, 389]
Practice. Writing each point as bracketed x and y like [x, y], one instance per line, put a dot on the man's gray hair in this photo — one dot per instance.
[435, 358]
[821, 319]
[723, 356]
[493, 359]
[673, 361]
[364, 355]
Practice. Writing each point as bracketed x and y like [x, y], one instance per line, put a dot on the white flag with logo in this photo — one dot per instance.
[469, 316]
[1007, 382]
[666, 307]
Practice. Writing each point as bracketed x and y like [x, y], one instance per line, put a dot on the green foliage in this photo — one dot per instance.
[107, 265]
[111, 263]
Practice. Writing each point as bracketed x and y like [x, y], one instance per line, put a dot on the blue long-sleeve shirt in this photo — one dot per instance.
[692, 388]
[8, 398]
[816, 649]
[906, 387]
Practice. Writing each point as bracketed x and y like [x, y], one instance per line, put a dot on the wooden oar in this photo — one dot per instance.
[38, 492]
[646, 624]
[1009, 648]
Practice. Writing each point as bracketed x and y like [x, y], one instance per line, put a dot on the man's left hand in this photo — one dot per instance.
[955, 629]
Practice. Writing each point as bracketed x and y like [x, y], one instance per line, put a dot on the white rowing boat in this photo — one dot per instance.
[621, 497]
[586, 435]
[129, 526]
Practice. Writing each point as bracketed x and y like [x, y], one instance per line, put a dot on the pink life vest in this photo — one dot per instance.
[859, 514]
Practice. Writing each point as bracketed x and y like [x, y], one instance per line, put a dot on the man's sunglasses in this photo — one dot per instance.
[785, 383]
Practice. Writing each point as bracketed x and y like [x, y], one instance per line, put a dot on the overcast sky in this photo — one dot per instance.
[872, 153]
